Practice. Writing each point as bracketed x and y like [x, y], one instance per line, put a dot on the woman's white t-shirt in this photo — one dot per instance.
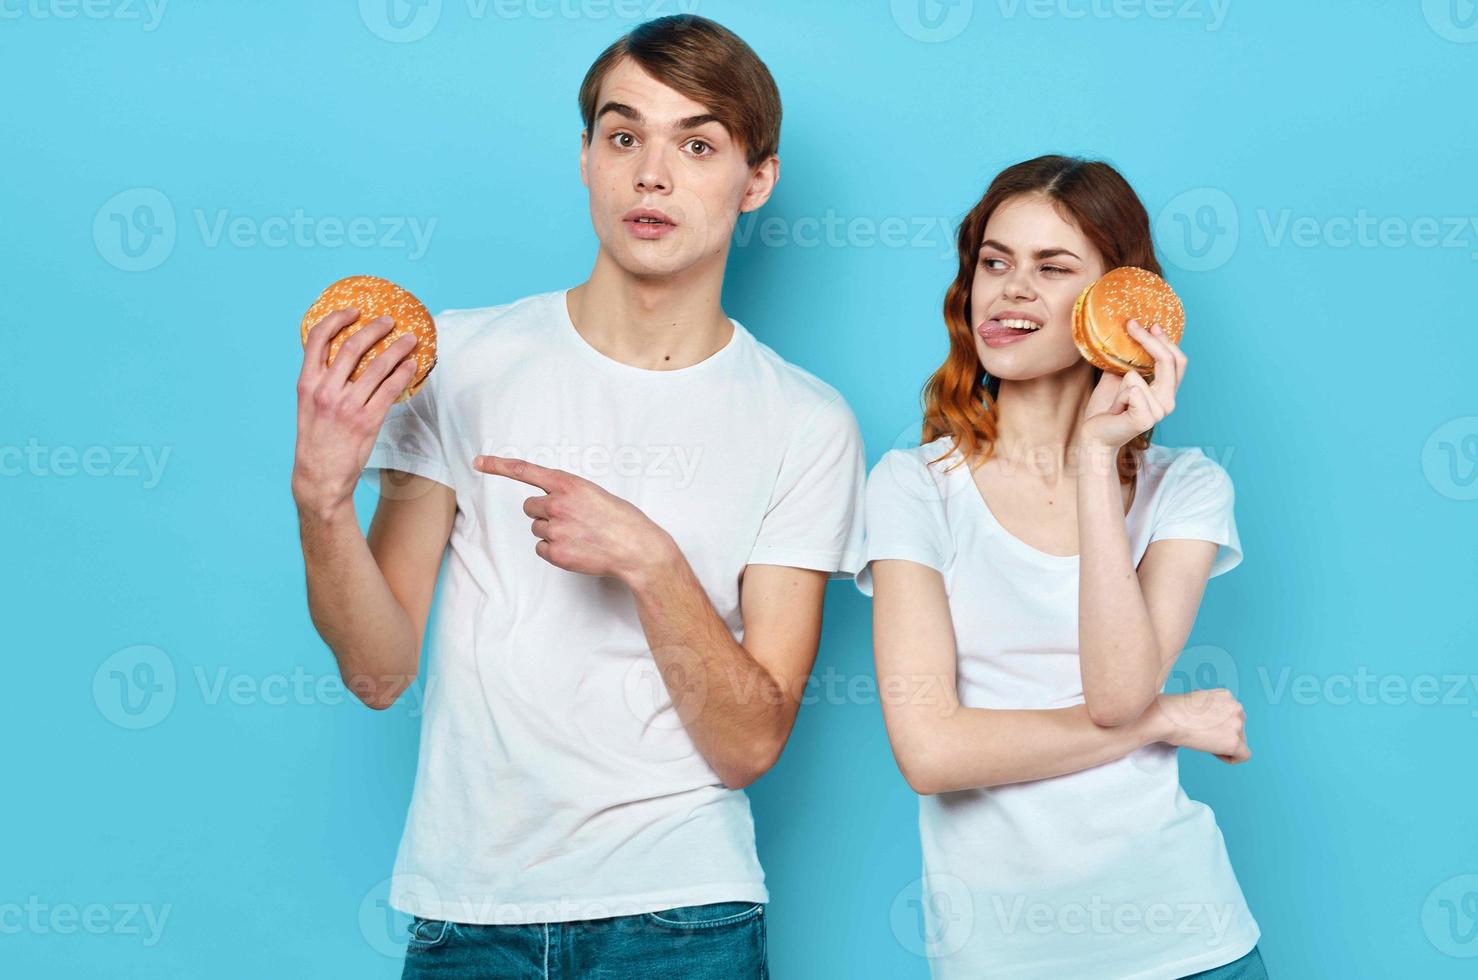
[555, 780]
[1111, 872]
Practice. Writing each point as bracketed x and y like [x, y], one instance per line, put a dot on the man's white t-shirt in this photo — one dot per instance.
[555, 781]
[1111, 872]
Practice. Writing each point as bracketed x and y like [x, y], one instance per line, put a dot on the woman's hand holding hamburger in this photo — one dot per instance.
[1124, 405]
[1109, 329]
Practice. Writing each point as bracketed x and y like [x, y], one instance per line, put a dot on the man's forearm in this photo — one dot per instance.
[353, 608]
[731, 706]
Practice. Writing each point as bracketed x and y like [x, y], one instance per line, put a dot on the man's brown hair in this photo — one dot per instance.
[709, 64]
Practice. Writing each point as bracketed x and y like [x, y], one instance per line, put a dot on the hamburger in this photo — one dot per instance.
[374, 297]
[1102, 313]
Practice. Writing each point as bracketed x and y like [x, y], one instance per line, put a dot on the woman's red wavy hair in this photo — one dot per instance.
[959, 400]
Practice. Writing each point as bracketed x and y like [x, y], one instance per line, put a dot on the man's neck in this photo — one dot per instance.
[660, 324]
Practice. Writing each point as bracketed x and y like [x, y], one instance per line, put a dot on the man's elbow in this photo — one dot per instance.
[379, 693]
[744, 770]
[736, 777]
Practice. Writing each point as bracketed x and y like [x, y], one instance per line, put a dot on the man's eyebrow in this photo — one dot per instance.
[634, 114]
[693, 122]
[620, 109]
[1041, 253]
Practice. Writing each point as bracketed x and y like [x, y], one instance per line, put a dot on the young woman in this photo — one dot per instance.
[1036, 566]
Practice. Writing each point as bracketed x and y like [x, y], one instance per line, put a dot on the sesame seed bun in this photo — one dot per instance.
[375, 297]
[1102, 313]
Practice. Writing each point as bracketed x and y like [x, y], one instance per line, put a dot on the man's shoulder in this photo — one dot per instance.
[456, 326]
[803, 393]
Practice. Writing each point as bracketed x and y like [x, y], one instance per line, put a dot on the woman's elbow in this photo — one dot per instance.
[1115, 712]
[919, 770]
[921, 780]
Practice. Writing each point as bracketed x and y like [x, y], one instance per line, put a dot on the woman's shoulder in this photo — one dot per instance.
[919, 470]
[931, 458]
[1182, 475]
[1180, 462]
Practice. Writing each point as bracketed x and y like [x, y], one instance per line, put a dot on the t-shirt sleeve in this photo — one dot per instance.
[905, 516]
[814, 518]
[413, 439]
[1198, 505]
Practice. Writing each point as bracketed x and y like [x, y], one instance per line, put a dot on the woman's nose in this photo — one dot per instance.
[1019, 285]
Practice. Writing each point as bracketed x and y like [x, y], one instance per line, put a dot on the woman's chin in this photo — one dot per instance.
[1006, 367]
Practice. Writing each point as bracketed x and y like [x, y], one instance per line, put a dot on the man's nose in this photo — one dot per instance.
[653, 176]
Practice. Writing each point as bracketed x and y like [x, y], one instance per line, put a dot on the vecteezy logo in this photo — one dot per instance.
[932, 21]
[400, 21]
[1198, 668]
[1450, 917]
[1198, 231]
[1450, 459]
[659, 699]
[1201, 668]
[938, 920]
[135, 687]
[135, 230]
[383, 927]
[1453, 20]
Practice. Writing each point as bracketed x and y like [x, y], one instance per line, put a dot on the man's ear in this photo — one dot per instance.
[762, 182]
[584, 153]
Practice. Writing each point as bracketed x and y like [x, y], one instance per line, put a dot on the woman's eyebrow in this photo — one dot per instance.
[1041, 253]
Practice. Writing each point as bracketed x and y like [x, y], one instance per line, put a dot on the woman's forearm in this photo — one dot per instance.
[1118, 652]
[976, 748]
[941, 745]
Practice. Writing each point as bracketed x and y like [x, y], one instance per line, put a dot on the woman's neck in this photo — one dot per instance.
[1037, 422]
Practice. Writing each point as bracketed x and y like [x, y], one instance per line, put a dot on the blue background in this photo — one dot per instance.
[1333, 376]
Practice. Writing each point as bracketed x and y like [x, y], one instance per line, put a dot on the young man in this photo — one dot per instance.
[643, 505]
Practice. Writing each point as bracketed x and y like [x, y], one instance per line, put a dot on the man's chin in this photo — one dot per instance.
[653, 263]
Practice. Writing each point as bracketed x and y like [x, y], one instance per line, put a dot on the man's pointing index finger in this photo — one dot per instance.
[521, 470]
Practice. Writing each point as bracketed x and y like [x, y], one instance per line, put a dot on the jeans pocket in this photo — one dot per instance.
[428, 933]
[709, 916]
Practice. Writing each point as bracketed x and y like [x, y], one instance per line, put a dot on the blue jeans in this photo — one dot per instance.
[1248, 967]
[718, 941]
